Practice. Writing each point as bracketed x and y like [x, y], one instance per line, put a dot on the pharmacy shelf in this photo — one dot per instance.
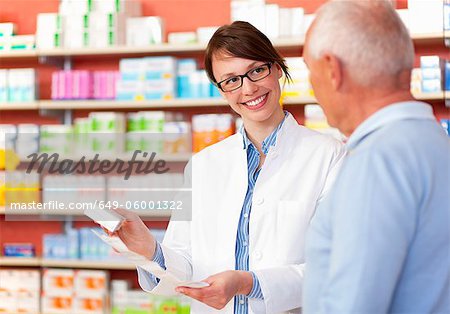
[19, 106]
[299, 100]
[282, 43]
[165, 48]
[430, 38]
[85, 264]
[20, 261]
[42, 262]
[431, 96]
[163, 215]
[159, 104]
[115, 104]
[152, 104]
[18, 54]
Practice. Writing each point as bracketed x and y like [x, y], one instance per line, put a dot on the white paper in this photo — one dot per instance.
[168, 282]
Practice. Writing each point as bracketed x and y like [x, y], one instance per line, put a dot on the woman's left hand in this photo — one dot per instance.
[222, 288]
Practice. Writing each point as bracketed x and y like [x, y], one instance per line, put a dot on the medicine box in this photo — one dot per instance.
[58, 282]
[3, 85]
[22, 85]
[143, 31]
[91, 283]
[57, 304]
[7, 29]
[132, 69]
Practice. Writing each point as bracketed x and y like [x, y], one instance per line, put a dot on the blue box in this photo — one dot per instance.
[447, 76]
[18, 250]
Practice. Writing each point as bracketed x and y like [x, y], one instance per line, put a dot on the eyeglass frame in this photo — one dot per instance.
[245, 75]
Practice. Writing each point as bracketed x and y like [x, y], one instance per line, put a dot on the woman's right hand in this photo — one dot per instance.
[135, 234]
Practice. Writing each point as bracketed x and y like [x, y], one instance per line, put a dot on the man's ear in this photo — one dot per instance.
[334, 70]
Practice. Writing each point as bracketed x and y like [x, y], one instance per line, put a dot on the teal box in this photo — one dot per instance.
[214, 91]
[184, 68]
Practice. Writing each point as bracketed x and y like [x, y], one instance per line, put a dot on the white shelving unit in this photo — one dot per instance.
[159, 104]
[116, 104]
[18, 54]
[281, 43]
[163, 215]
[85, 264]
[42, 262]
[20, 261]
[431, 96]
[19, 106]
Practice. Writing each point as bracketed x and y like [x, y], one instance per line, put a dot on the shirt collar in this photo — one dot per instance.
[268, 141]
[406, 110]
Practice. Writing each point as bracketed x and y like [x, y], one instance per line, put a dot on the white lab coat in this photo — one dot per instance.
[297, 172]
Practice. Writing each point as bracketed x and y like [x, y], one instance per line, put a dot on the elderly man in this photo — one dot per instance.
[380, 241]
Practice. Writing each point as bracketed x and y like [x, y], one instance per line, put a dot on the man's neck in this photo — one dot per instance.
[369, 103]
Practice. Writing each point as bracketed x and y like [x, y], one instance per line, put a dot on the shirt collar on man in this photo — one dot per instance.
[268, 141]
[398, 111]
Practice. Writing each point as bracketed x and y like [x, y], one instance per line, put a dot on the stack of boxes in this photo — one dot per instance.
[124, 300]
[208, 129]
[20, 187]
[15, 185]
[10, 41]
[56, 138]
[147, 78]
[18, 85]
[71, 85]
[107, 132]
[70, 291]
[431, 73]
[271, 19]
[425, 16]
[86, 23]
[27, 141]
[84, 244]
[49, 31]
[315, 119]
[300, 86]
[144, 31]
[20, 291]
[166, 78]
[75, 189]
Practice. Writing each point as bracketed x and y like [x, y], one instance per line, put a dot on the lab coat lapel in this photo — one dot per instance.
[236, 181]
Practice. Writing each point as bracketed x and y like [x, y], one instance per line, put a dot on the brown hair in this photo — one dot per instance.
[243, 40]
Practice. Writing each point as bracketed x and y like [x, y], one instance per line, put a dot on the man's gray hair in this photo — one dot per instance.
[367, 36]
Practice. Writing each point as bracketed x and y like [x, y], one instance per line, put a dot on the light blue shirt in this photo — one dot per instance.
[380, 241]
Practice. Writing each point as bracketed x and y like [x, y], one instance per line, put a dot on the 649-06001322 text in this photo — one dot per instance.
[130, 205]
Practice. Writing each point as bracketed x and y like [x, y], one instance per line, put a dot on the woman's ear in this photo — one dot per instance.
[279, 70]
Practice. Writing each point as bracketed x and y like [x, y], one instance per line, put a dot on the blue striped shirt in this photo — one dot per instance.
[242, 238]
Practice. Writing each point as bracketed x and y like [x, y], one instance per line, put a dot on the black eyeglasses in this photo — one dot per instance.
[254, 75]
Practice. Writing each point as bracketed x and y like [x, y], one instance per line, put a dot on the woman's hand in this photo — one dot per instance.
[222, 288]
[135, 234]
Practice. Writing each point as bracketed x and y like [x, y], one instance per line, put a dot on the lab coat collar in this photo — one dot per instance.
[269, 141]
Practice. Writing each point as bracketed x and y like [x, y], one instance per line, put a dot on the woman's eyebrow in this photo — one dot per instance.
[249, 67]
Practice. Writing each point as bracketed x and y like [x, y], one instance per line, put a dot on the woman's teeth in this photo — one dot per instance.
[255, 102]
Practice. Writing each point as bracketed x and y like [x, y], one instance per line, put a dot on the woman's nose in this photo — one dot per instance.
[248, 87]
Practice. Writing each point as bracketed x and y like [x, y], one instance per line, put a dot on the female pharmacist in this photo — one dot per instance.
[253, 194]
